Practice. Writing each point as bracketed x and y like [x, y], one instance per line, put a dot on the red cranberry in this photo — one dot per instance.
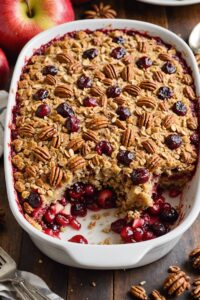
[169, 68]
[89, 189]
[49, 216]
[140, 176]
[179, 108]
[173, 141]
[65, 110]
[106, 199]
[118, 40]
[90, 102]
[154, 209]
[123, 112]
[127, 234]
[113, 91]
[54, 227]
[51, 70]
[72, 124]
[14, 134]
[153, 220]
[139, 222]
[194, 138]
[34, 199]
[117, 225]
[62, 220]
[75, 224]
[144, 62]
[138, 234]
[148, 235]
[43, 110]
[41, 94]
[84, 82]
[174, 192]
[77, 191]
[93, 206]
[90, 53]
[164, 93]
[169, 215]
[118, 52]
[78, 209]
[63, 201]
[78, 239]
[159, 229]
[125, 157]
[166, 205]
[104, 147]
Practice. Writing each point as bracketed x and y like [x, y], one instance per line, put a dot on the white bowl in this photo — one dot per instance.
[102, 256]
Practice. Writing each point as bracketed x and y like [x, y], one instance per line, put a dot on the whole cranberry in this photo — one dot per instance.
[117, 225]
[65, 110]
[164, 93]
[72, 124]
[77, 191]
[118, 52]
[169, 68]
[179, 108]
[78, 239]
[154, 209]
[84, 82]
[140, 176]
[34, 199]
[113, 91]
[90, 102]
[125, 157]
[89, 189]
[41, 94]
[104, 147]
[169, 215]
[78, 209]
[106, 198]
[144, 62]
[138, 234]
[43, 110]
[159, 229]
[90, 53]
[51, 70]
[194, 139]
[118, 40]
[123, 112]
[173, 141]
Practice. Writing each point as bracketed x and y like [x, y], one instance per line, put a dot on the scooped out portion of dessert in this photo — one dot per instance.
[104, 119]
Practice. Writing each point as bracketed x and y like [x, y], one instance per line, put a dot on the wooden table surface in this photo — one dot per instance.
[76, 284]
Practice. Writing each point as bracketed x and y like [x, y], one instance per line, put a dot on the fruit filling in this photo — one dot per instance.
[104, 119]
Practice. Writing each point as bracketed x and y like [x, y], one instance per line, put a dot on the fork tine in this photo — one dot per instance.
[7, 264]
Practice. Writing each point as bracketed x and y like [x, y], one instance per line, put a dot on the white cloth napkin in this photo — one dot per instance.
[7, 292]
[3, 105]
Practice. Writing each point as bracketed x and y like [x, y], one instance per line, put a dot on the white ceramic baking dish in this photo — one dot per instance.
[103, 256]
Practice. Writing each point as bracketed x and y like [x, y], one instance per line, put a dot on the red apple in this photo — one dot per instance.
[4, 69]
[20, 20]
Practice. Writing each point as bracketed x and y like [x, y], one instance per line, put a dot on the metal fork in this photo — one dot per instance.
[8, 273]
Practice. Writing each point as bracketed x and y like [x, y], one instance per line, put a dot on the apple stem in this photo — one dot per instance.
[30, 13]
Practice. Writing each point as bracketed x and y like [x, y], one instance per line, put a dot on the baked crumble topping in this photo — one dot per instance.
[109, 108]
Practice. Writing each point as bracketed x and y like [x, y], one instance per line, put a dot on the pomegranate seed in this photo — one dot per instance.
[93, 207]
[166, 205]
[148, 235]
[49, 216]
[77, 190]
[89, 190]
[75, 224]
[106, 199]
[154, 209]
[117, 225]
[153, 220]
[62, 220]
[78, 239]
[174, 192]
[138, 223]
[138, 234]
[127, 233]
[63, 201]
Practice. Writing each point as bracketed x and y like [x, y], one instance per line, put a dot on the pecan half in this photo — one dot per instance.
[149, 146]
[96, 91]
[195, 258]
[127, 59]
[64, 58]
[187, 79]
[120, 124]
[128, 137]
[192, 123]
[56, 141]
[157, 296]
[31, 171]
[63, 91]
[90, 135]
[49, 79]
[138, 292]
[164, 57]
[26, 130]
[158, 76]
[27, 208]
[75, 143]
[41, 153]
[195, 293]
[189, 92]
[142, 46]
[46, 133]
[56, 175]
[132, 89]
[168, 121]
[76, 163]
[110, 71]
[147, 102]
[119, 100]
[148, 85]
[145, 119]
[127, 73]
[75, 68]
[154, 163]
[98, 123]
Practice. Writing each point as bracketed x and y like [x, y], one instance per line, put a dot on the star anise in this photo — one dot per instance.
[101, 11]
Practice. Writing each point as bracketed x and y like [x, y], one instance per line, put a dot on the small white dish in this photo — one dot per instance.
[194, 39]
[171, 2]
[113, 256]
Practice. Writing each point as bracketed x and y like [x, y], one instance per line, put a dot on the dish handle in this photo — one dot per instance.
[106, 257]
